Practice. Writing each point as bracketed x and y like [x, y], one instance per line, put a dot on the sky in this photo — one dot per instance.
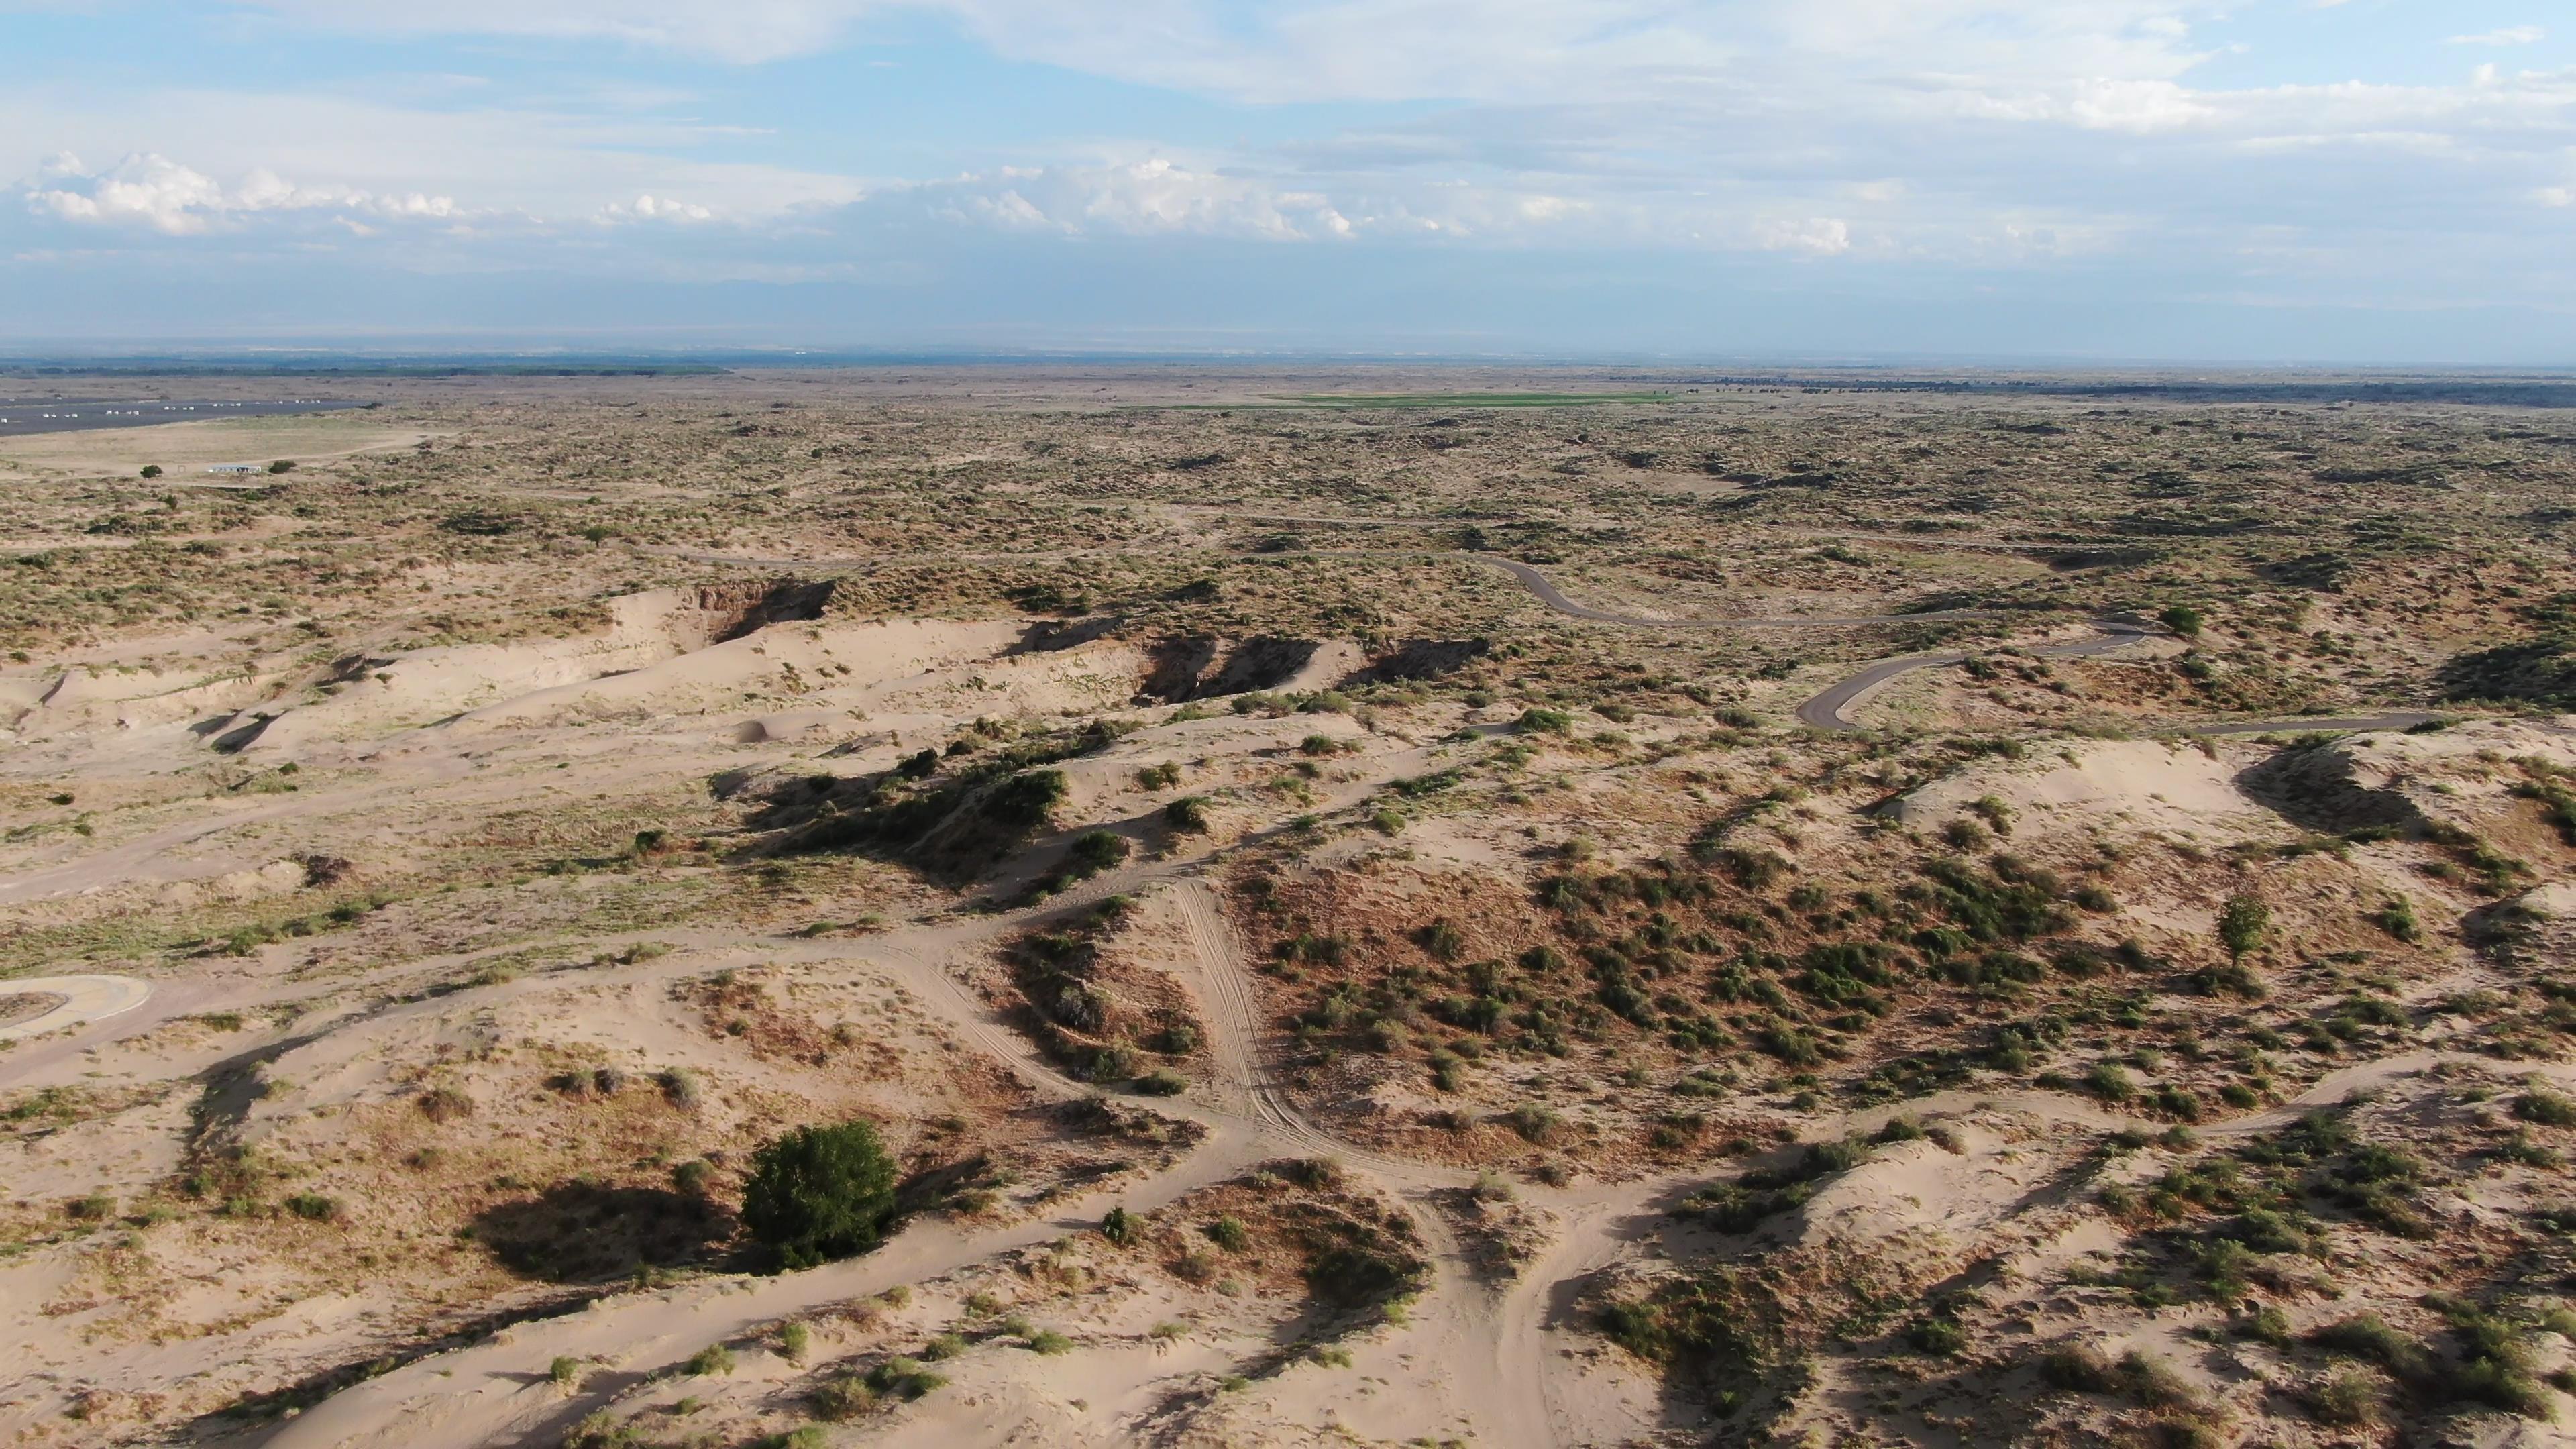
[2357, 181]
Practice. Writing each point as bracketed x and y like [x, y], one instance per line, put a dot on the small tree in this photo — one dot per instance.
[282, 465]
[2242, 924]
[151, 470]
[2183, 619]
[820, 1193]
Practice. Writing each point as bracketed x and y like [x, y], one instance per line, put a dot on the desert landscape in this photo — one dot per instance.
[1405, 905]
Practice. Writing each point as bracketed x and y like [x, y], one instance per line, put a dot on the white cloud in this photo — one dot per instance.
[1822, 236]
[151, 190]
[526, 163]
[148, 190]
[1152, 197]
[655, 208]
[2510, 35]
[2136, 105]
[1991, 133]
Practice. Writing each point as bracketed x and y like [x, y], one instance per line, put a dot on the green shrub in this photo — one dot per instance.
[903, 1378]
[1939, 1336]
[1024, 801]
[1229, 1233]
[2347, 1398]
[566, 1371]
[2107, 1081]
[820, 1193]
[685, 1089]
[2367, 1335]
[1187, 815]
[1121, 1226]
[715, 1358]
[844, 1398]
[2243, 924]
[1092, 852]
[2079, 1369]
[2397, 918]
[2546, 1108]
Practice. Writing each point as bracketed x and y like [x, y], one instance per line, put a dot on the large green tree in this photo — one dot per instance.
[820, 1193]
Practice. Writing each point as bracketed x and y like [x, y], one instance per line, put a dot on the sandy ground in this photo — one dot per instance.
[185, 450]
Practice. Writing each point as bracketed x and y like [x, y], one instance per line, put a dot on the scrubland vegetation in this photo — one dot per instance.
[818, 909]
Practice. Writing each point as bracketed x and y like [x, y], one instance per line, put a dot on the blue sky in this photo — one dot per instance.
[2276, 180]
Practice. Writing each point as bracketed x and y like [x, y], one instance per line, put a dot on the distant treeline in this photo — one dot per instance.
[2490, 392]
[343, 367]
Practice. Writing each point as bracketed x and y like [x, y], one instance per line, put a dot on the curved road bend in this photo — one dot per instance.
[85, 999]
[1829, 709]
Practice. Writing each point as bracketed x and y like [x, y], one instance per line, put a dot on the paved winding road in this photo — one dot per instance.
[85, 999]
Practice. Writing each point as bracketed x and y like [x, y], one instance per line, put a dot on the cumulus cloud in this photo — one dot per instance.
[151, 190]
[146, 190]
[1822, 236]
[655, 208]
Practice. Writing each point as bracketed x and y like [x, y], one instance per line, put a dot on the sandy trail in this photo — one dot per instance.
[1225, 1003]
[499, 1392]
[496, 1391]
[1484, 1351]
[133, 860]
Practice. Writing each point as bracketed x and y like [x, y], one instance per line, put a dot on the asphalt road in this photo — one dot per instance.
[89, 998]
